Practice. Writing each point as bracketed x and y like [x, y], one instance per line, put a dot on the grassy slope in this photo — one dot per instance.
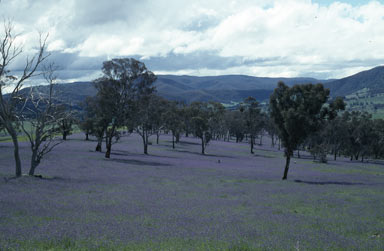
[366, 103]
[180, 200]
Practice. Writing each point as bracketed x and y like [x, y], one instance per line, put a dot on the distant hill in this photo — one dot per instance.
[227, 88]
[223, 89]
[373, 80]
[172, 83]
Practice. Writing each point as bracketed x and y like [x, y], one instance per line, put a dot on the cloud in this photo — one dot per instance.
[263, 38]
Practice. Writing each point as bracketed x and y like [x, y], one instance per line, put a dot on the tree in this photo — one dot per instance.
[253, 118]
[67, 122]
[216, 123]
[296, 112]
[1, 126]
[336, 135]
[9, 51]
[236, 125]
[99, 122]
[360, 134]
[147, 105]
[187, 119]
[332, 134]
[270, 127]
[200, 120]
[44, 118]
[378, 144]
[114, 95]
[124, 88]
[160, 106]
[87, 126]
[173, 120]
[147, 119]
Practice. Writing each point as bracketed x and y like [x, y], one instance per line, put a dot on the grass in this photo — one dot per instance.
[181, 200]
[172, 244]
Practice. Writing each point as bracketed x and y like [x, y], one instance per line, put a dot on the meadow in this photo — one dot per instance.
[178, 199]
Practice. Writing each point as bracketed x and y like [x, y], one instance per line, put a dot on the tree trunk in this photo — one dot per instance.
[261, 140]
[252, 141]
[157, 137]
[145, 142]
[202, 146]
[87, 136]
[108, 141]
[98, 147]
[145, 149]
[16, 152]
[287, 160]
[108, 152]
[362, 158]
[173, 140]
[34, 162]
[335, 155]
[177, 137]
[64, 135]
[279, 144]
[273, 140]
[32, 170]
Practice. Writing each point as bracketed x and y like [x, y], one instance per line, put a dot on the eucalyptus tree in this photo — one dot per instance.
[187, 118]
[148, 118]
[297, 112]
[336, 135]
[98, 120]
[359, 127]
[160, 106]
[10, 51]
[378, 143]
[125, 91]
[331, 136]
[200, 115]
[173, 119]
[87, 126]
[66, 124]
[253, 119]
[216, 119]
[236, 125]
[270, 127]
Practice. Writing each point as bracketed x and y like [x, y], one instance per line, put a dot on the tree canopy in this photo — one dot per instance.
[297, 112]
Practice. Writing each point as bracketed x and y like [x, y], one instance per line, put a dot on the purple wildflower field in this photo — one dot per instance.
[174, 199]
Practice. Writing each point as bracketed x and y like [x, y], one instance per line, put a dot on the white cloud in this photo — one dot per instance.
[284, 38]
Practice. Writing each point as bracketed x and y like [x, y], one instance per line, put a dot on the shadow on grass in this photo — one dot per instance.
[329, 183]
[6, 146]
[198, 153]
[25, 177]
[186, 143]
[138, 162]
[127, 154]
[263, 156]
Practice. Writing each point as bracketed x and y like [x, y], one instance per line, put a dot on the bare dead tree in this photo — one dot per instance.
[9, 51]
[43, 118]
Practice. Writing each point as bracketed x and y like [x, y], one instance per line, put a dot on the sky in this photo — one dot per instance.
[282, 38]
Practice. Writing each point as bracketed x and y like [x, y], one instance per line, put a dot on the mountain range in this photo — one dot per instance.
[230, 88]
